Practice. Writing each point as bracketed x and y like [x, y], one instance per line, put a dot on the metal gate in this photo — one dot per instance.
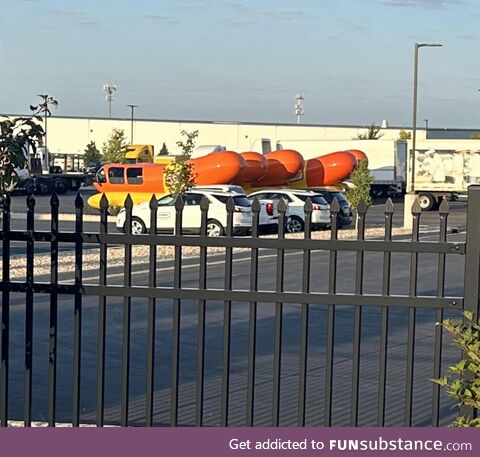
[252, 395]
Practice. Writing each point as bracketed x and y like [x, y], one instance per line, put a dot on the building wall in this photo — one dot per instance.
[73, 134]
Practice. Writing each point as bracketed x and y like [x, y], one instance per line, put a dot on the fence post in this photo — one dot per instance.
[472, 264]
[5, 323]
[472, 257]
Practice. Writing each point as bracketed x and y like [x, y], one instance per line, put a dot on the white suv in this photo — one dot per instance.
[296, 199]
[192, 215]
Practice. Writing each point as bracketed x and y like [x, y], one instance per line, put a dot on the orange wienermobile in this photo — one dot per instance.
[249, 169]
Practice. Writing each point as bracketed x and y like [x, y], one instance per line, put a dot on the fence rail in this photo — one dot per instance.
[178, 295]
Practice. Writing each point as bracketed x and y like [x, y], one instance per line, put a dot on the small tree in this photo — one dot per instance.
[18, 138]
[404, 135]
[362, 180]
[114, 149]
[179, 176]
[373, 133]
[164, 150]
[92, 156]
[463, 381]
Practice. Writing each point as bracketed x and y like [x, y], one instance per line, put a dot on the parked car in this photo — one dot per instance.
[345, 216]
[268, 215]
[191, 216]
[295, 214]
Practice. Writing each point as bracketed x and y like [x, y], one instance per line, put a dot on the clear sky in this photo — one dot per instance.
[244, 60]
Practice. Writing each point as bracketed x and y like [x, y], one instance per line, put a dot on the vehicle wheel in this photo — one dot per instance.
[61, 186]
[214, 228]
[294, 225]
[138, 226]
[76, 185]
[43, 187]
[427, 201]
[378, 192]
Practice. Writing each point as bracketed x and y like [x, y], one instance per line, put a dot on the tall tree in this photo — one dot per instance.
[164, 150]
[372, 133]
[92, 156]
[114, 149]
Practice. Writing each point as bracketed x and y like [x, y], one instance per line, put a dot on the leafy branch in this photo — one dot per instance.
[463, 381]
[19, 137]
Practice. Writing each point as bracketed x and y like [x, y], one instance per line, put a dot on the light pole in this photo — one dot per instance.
[426, 125]
[109, 89]
[299, 107]
[132, 107]
[414, 127]
[43, 107]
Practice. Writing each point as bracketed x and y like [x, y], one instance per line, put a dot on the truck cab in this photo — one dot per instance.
[139, 153]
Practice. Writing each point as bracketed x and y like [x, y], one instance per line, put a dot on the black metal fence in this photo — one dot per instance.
[244, 391]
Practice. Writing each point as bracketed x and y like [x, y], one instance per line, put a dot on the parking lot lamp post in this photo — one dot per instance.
[410, 195]
[414, 126]
[132, 107]
[43, 107]
[109, 89]
[299, 107]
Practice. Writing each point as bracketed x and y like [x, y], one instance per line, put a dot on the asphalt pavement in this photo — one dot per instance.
[214, 347]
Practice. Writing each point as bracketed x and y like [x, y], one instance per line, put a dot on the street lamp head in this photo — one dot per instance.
[429, 45]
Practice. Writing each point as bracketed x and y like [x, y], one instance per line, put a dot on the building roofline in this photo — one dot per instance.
[233, 122]
[222, 122]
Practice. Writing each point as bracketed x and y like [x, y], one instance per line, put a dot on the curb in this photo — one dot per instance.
[65, 217]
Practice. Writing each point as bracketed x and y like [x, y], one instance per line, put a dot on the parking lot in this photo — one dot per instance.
[375, 218]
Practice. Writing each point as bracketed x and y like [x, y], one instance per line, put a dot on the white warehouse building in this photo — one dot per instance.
[72, 134]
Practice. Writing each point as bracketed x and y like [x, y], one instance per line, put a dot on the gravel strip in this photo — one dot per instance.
[140, 254]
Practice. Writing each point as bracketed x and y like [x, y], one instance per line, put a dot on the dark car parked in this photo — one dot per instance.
[345, 216]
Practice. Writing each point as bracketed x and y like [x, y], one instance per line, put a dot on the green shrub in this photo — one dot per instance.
[463, 381]
[362, 180]
[18, 137]
[404, 135]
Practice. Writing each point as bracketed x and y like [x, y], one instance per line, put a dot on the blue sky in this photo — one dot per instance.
[243, 60]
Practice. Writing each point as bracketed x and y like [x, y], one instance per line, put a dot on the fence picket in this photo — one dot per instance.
[102, 314]
[52, 352]
[5, 348]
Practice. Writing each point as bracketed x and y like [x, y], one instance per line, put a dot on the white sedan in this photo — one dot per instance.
[192, 215]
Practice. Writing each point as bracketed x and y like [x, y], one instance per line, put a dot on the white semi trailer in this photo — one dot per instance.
[387, 159]
[444, 173]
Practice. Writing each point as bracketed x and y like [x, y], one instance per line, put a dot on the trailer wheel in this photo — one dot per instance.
[43, 187]
[61, 186]
[75, 185]
[427, 201]
[378, 192]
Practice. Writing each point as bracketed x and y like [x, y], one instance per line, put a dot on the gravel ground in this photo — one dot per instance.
[140, 254]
